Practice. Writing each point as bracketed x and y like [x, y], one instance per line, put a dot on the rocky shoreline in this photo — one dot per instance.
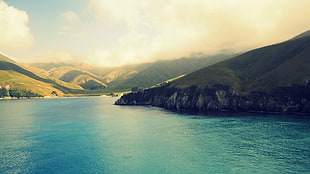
[292, 99]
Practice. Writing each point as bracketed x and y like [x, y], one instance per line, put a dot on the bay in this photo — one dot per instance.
[91, 135]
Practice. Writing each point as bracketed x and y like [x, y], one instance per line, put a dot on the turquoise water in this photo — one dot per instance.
[91, 135]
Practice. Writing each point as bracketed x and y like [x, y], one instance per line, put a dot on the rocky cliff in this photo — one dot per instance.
[292, 99]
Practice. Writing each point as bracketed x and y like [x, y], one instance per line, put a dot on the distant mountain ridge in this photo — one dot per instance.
[274, 78]
[126, 77]
[64, 78]
[153, 73]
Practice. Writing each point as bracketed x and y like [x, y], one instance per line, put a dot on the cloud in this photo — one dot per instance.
[14, 31]
[70, 16]
[71, 20]
[164, 29]
[111, 33]
[55, 56]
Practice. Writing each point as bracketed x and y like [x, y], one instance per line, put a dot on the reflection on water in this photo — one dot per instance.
[91, 135]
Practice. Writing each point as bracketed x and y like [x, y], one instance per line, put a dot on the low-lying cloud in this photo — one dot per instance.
[169, 29]
[112, 33]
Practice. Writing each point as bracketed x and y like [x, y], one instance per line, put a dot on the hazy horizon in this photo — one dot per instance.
[114, 33]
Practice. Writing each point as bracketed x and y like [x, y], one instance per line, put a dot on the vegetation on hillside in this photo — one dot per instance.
[261, 69]
[160, 71]
[21, 78]
[18, 93]
[272, 79]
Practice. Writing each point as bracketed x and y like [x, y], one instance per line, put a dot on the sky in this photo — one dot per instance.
[118, 32]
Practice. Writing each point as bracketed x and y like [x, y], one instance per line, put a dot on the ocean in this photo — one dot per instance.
[91, 135]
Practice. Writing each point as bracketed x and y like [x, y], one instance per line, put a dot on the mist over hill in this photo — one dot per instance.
[125, 77]
[263, 69]
[70, 78]
[274, 78]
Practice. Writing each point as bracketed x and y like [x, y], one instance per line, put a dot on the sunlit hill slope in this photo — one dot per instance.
[18, 77]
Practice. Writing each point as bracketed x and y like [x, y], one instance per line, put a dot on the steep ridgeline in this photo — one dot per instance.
[272, 79]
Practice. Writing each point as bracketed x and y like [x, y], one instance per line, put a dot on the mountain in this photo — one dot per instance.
[70, 73]
[153, 73]
[261, 69]
[84, 79]
[274, 78]
[125, 77]
[17, 77]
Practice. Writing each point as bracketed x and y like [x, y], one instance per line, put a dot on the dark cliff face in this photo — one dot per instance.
[293, 99]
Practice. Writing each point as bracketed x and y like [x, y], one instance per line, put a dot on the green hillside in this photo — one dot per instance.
[261, 69]
[160, 71]
[20, 81]
[17, 77]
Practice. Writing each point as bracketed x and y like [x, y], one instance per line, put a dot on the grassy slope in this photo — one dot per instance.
[21, 81]
[261, 69]
[70, 74]
[84, 79]
[60, 72]
[20, 77]
[54, 76]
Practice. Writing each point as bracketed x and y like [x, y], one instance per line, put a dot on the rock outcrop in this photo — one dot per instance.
[292, 99]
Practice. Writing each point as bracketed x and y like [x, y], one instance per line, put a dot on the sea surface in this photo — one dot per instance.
[91, 135]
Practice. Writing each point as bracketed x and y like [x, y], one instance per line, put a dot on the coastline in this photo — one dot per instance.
[282, 100]
[23, 98]
[65, 96]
